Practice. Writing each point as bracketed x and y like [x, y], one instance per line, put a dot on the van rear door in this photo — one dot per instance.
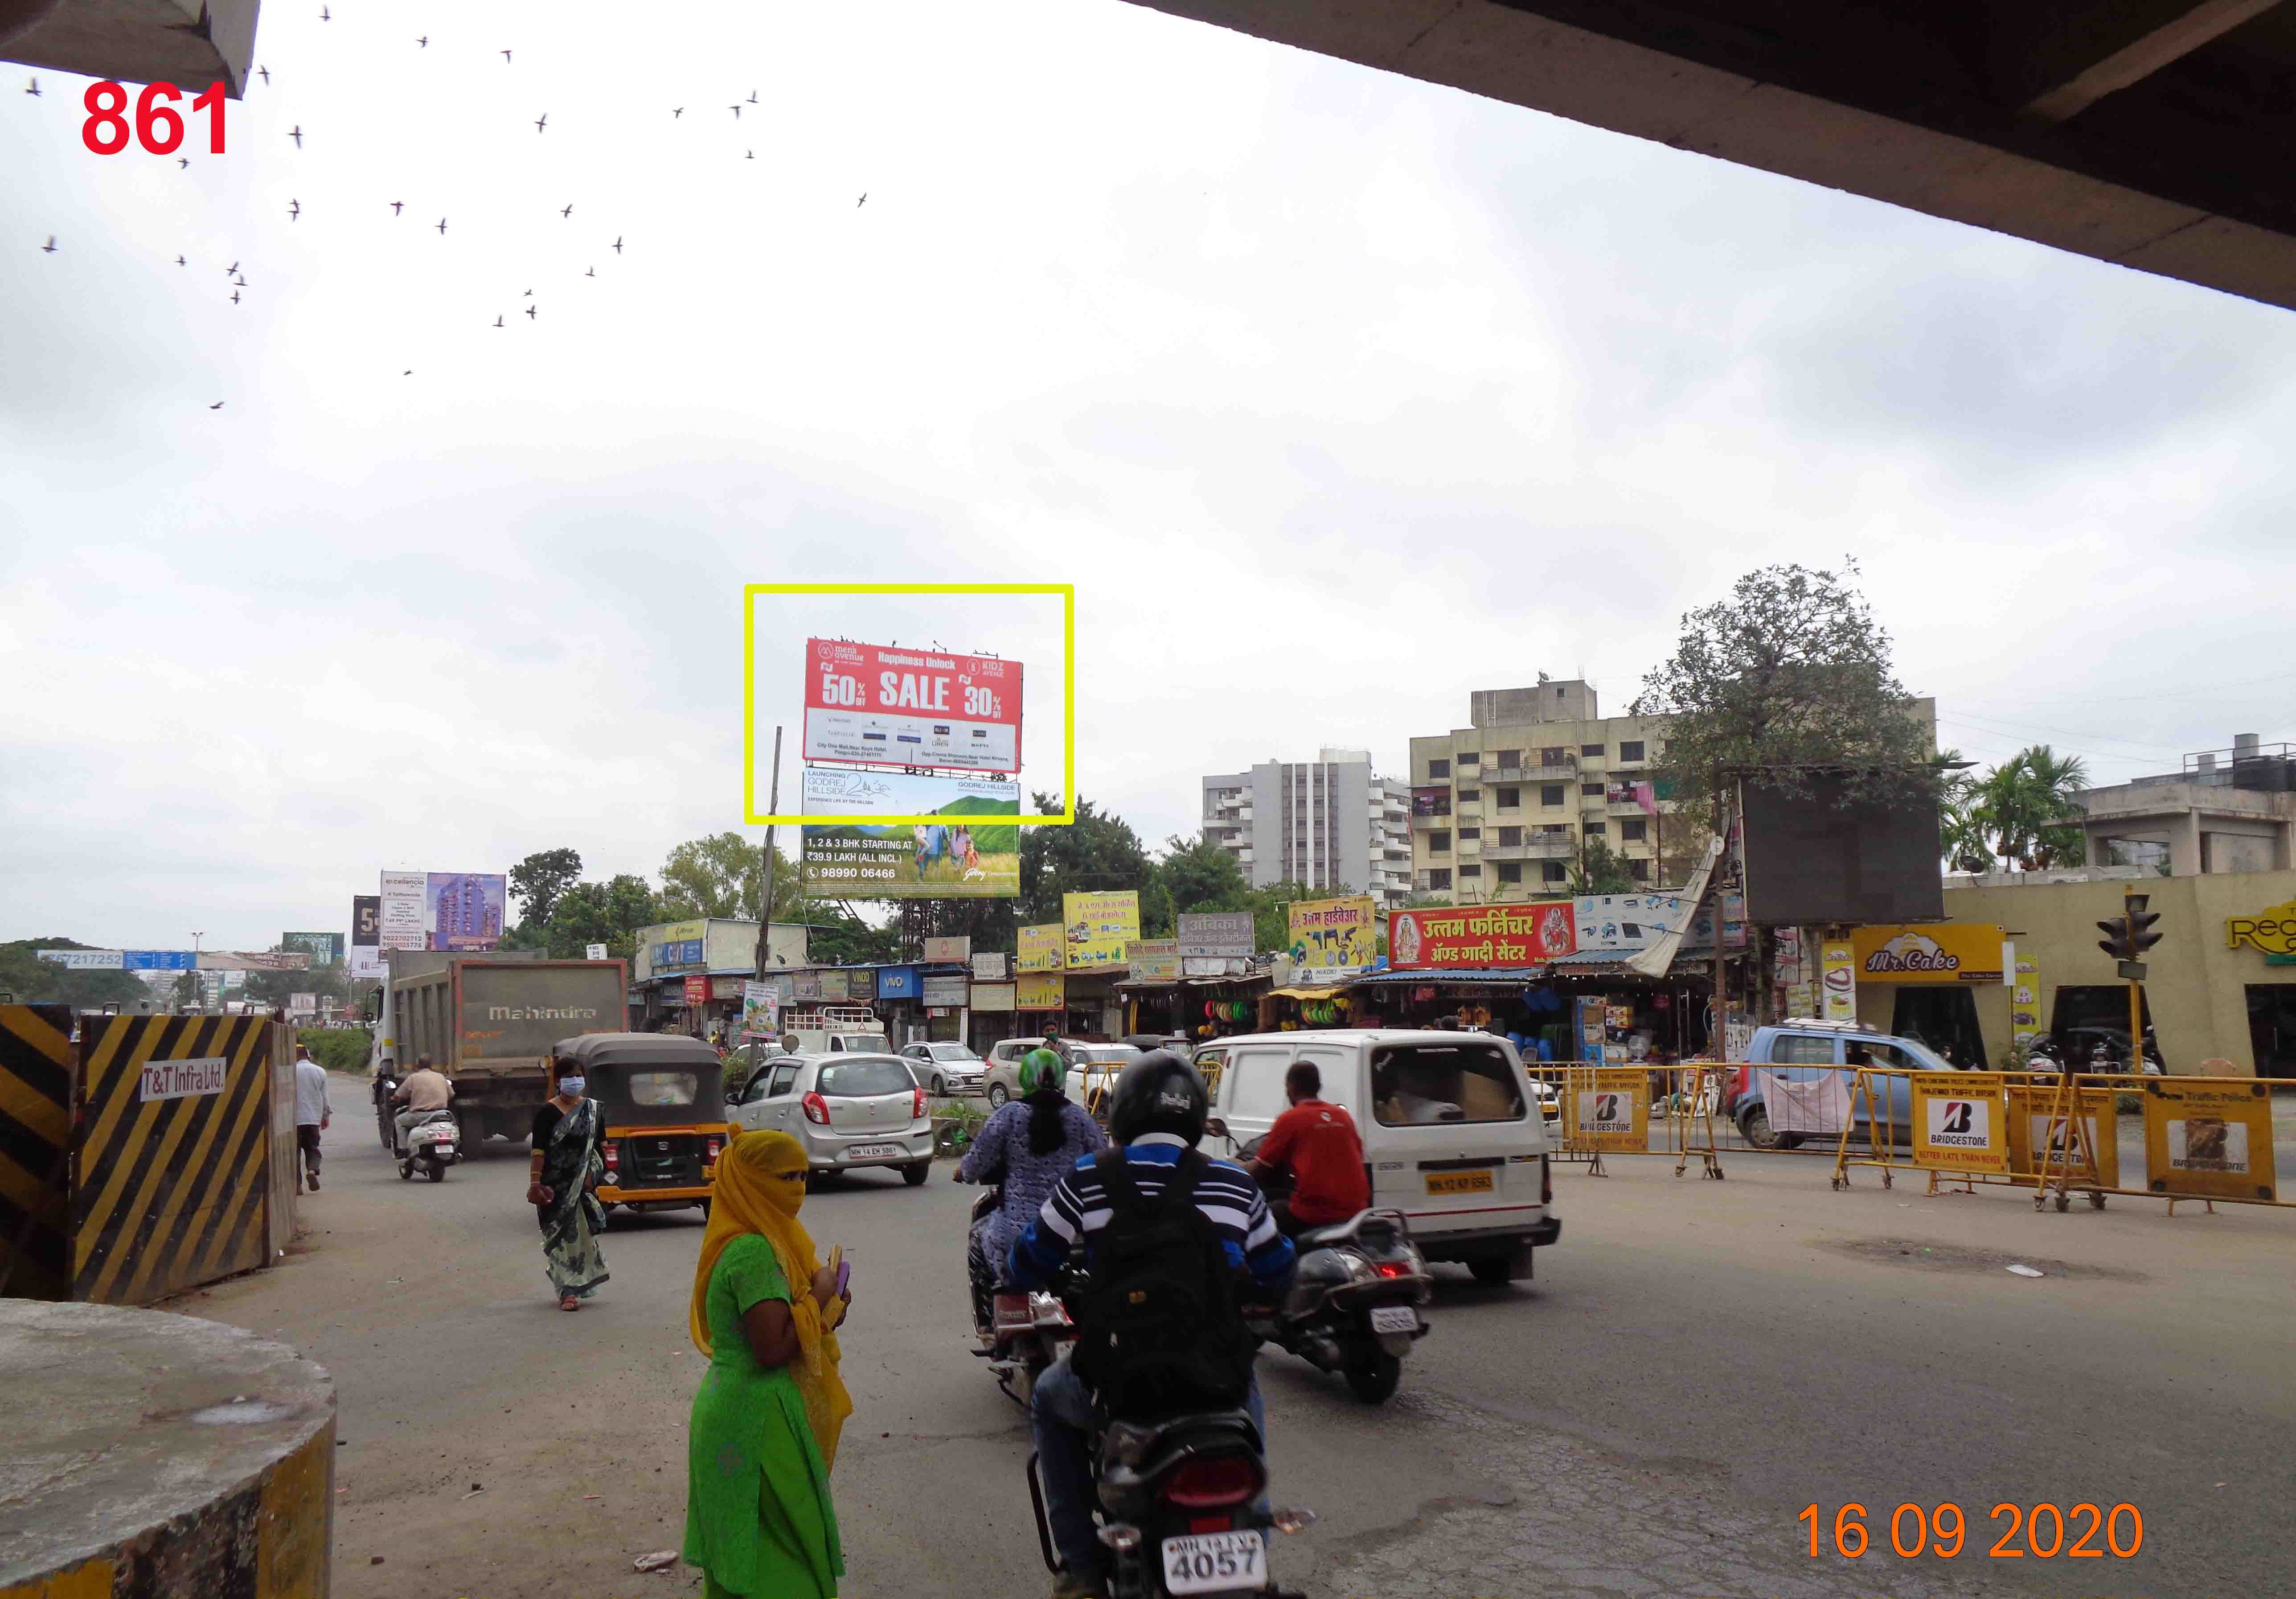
[1453, 1140]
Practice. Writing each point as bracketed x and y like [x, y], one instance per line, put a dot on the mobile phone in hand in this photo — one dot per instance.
[844, 1277]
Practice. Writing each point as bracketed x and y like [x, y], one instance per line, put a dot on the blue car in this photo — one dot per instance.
[1805, 1051]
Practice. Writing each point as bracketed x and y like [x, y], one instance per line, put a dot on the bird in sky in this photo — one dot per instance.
[505, 56]
[754, 96]
[407, 373]
[529, 310]
[235, 296]
[325, 15]
[232, 270]
[296, 134]
[569, 211]
[395, 205]
[35, 89]
[736, 109]
[442, 225]
[241, 282]
[294, 209]
[499, 322]
[542, 122]
[675, 115]
[750, 153]
[217, 407]
[182, 161]
[592, 272]
[618, 244]
[862, 201]
[50, 247]
[179, 260]
[264, 73]
[529, 294]
[424, 42]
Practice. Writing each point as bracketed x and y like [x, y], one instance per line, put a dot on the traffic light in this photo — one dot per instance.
[2140, 922]
[2115, 943]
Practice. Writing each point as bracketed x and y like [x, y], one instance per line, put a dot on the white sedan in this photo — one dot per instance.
[945, 1069]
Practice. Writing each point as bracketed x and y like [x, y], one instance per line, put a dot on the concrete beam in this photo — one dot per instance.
[2055, 62]
[188, 42]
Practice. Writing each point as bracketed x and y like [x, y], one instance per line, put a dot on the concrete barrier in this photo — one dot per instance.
[151, 1456]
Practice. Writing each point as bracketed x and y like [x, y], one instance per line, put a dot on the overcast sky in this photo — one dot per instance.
[1335, 394]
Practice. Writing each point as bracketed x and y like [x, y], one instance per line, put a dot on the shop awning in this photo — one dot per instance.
[1200, 982]
[1615, 962]
[1326, 992]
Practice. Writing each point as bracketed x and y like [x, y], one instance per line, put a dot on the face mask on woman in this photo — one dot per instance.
[570, 1087]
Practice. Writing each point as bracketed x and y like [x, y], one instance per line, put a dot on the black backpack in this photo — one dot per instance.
[1160, 1332]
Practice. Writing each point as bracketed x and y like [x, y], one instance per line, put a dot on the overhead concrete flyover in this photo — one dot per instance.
[2157, 134]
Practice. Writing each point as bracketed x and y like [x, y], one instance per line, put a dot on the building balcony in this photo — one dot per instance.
[1441, 818]
[1533, 849]
[1469, 809]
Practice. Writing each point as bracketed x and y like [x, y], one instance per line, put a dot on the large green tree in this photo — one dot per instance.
[2028, 807]
[720, 875]
[607, 913]
[1202, 875]
[1789, 673]
[31, 981]
[537, 882]
[1098, 852]
[1599, 871]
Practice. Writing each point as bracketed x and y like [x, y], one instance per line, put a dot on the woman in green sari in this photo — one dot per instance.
[759, 1517]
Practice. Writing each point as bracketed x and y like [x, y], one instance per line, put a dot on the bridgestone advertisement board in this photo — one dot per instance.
[1961, 1120]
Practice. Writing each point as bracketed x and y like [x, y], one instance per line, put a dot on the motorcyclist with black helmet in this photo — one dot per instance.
[1156, 1115]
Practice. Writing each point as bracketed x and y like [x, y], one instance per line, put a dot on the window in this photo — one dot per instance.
[1801, 1049]
[1595, 830]
[1550, 793]
[664, 1087]
[863, 1079]
[1630, 749]
[1638, 868]
[1468, 757]
[1593, 790]
[1634, 829]
[1440, 843]
[1470, 832]
[1509, 872]
[1467, 794]
[1552, 872]
[1510, 836]
[1418, 1083]
[1594, 750]
[1509, 759]
[1510, 798]
[1555, 755]
[1438, 768]
[783, 1078]
[1470, 871]
[1438, 880]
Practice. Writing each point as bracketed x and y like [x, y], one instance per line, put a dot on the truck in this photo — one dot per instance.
[489, 1022]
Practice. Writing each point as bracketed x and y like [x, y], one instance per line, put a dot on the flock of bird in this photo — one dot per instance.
[295, 208]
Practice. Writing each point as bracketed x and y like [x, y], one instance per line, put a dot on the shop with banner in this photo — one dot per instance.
[1088, 1006]
[1202, 1008]
[1603, 1009]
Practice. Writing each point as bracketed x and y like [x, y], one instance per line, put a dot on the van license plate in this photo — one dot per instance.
[873, 1152]
[1461, 1181]
[1215, 1562]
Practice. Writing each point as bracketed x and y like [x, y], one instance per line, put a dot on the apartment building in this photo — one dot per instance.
[2223, 810]
[1331, 823]
[1502, 807]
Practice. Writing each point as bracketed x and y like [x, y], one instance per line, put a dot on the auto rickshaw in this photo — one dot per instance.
[664, 1106]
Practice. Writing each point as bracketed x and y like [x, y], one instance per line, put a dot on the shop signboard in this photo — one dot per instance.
[949, 951]
[1960, 1120]
[971, 849]
[1493, 935]
[1042, 947]
[1153, 960]
[1930, 952]
[1630, 923]
[725, 987]
[674, 947]
[324, 948]
[402, 910]
[990, 966]
[1040, 991]
[897, 982]
[2025, 1001]
[883, 704]
[463, 910]
[761, 1011]
[805, 985]
[2036, 1129]
[1612, 1114]
[2209, 1140]
[2272, 931]
[1431, 802]
[1097, 927]
[366, 921]
[1209, 934]
[1332, 939]
[1837, 964]
[593, 952]
[834, 986]
[367, 964]
[997, 998]
[697, 990]
[950, 988]
[861, 985]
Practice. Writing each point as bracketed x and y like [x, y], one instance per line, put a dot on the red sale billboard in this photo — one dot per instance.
[911, 707]
[1482, 936]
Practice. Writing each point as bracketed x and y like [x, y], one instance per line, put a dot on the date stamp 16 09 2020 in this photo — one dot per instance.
[2043, 1531]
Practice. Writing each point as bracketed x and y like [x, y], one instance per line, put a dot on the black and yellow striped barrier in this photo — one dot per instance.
[171, 1179]
[36, 1084]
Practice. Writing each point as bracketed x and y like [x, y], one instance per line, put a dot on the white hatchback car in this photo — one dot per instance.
[849, 1111]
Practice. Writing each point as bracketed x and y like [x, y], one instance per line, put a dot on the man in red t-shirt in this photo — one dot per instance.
[1317, 1146]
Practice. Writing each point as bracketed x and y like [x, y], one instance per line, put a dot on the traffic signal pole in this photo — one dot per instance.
[2132, 904]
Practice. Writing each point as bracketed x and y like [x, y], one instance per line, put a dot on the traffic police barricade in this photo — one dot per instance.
[1641, 1110]
[2205, 1138]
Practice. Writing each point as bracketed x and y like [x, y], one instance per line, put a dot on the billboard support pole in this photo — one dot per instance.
[766, 899]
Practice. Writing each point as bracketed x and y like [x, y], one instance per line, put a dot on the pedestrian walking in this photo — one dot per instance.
[311, 1117]
[566, 1166]
[758, 1516]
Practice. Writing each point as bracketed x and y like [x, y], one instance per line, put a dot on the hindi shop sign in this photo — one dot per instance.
[1481, 937]
[911, 707]
[1215, 935]
[1332, 939]
[181, 1079]
[1042, 947]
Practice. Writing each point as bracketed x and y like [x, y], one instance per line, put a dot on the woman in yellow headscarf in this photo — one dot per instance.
[759, 1517]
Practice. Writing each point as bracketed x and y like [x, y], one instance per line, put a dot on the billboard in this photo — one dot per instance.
[367, 963]
[1486, 937]
[401, 902]
[1628, 923]
[954, 950]
[366, 921]
[1153, 960]
[324, 948]
[1097, 928]
[1936, 952]
[910, 708]
[463, 910]
[975, 854]
[159, 960]
[1215, 935]
[1332, 939]
[1825, 855]
[1039, 991]
[85, 960]
[1041, 949]
[761, 1010]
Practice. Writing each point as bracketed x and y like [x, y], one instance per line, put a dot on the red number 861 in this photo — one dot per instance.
[157, 127]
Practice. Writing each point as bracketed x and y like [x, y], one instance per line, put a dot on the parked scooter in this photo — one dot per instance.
[1353, 1308]
[433, 1144]
[1027, 1331]
[1177, 1498]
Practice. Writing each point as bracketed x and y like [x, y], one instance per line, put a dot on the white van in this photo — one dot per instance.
[1451, 1136]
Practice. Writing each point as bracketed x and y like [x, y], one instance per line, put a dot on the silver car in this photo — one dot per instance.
[848, 1110]
[944, 1068]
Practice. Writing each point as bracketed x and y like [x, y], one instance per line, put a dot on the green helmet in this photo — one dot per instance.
[1041, 1069]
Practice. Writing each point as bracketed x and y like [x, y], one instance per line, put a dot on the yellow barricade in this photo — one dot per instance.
[1638, 1110]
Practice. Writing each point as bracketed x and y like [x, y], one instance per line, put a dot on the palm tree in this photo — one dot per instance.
[2029, 805]
[1963, 826]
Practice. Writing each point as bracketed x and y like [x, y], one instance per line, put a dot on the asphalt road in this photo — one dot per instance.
[1696, 1362]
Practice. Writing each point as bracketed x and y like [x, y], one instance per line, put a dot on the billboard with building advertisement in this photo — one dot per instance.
[1332, 938]
[1098, 927]
[1484, 936]
[975, 854]
[911, 707]
[463, 910]
[1042, 949]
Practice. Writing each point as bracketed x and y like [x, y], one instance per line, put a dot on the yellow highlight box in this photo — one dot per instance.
[750, 592]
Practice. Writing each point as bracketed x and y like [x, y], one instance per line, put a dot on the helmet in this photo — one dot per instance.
[1040, 1069]
[1158, 1093]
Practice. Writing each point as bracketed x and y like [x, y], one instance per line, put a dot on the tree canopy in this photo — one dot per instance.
[2025, 811]
[537, 882]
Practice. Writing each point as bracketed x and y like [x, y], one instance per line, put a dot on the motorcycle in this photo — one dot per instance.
[1176, 1502]
[433, 1144]
[1027, 1331]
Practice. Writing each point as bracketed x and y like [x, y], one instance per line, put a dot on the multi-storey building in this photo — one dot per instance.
[1331, 823]
[1504, 807]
